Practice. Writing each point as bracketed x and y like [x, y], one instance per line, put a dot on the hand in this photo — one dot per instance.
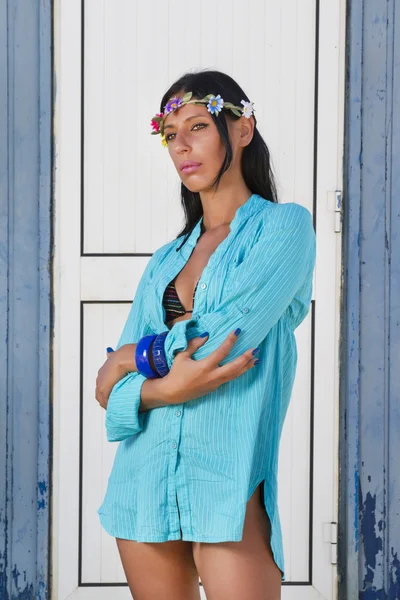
[117, 365]
[189, 378]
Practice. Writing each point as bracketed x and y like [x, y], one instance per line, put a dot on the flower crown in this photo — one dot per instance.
[214, 105]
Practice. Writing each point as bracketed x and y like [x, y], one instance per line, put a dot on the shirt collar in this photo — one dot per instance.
[253, 205]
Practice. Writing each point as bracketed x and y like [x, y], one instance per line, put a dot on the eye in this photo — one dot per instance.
[201, 125]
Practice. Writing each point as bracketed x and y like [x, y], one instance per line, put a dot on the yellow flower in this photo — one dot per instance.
[164, 141]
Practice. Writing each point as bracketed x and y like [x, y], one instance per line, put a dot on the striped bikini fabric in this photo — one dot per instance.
[186, 471]
[172, 304]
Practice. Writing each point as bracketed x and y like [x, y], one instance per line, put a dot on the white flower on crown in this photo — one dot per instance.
[247, 108]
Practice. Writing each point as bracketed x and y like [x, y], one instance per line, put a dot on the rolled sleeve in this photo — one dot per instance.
[122, 415]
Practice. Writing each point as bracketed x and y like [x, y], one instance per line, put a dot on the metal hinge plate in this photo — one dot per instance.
[335, 205]
[330, 536]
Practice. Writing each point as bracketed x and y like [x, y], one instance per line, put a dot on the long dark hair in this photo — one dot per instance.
[256, 168]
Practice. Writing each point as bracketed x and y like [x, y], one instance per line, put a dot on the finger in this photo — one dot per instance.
[251, 363]
[236, 367]
[195, 343]
[248, 367]
[223, 349]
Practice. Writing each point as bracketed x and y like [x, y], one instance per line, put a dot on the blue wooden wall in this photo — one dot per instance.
[369, 519]
[25, 300]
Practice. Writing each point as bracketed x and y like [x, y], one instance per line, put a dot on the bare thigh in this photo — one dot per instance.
[242, 570]
[160, 570]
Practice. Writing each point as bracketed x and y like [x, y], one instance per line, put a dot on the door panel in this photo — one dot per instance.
[117, 201]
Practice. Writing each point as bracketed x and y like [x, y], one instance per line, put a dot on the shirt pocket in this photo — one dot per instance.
[228, 279]
[238, 305]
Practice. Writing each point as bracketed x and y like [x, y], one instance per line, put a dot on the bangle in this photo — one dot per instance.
[158, 354]
[142, 357]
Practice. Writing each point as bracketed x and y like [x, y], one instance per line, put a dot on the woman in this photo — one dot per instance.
[193, 489]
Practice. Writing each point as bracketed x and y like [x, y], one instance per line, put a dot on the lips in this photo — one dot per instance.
[189, 165]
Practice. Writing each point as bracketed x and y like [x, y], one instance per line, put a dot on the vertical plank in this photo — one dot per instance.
[370, 418]
[392, 517]
[66, 289]
[5, 471]
[100, 558]
[93, 131]
[25, 304]
[45, 308]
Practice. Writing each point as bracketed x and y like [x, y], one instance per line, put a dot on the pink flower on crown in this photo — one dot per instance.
[156, 124]
[173, 104]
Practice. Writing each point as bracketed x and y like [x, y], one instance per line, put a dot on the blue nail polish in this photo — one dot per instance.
[257, 362]
[204, 334]
[238, 330]
[256, 350]
[110, 349]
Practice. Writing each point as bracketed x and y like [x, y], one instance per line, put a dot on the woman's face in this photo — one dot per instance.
[193, 139]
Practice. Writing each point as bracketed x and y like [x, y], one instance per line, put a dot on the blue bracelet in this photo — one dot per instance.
[158, 353]
[142, 355]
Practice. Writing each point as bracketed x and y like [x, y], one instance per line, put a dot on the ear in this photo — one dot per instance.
[246, 130]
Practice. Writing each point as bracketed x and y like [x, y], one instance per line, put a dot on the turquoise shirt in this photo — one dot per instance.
[186, 471]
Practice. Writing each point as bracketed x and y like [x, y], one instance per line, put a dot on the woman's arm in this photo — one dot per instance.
[122, 415]
[187, 379]
[128, 403]
[153, 395]
[266, 282]
[278, 267]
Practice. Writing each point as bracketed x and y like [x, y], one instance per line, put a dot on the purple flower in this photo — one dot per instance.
[173, 104]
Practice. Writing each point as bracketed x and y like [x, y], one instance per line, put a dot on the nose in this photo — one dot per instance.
[181, 143]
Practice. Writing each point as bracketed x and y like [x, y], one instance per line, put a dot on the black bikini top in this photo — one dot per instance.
[172, 304]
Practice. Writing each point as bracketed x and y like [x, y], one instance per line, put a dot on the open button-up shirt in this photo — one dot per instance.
[186, 471]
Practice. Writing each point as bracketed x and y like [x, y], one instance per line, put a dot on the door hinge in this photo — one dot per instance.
[333, 543]
[338, 211]
[335, 205]
[330, 536]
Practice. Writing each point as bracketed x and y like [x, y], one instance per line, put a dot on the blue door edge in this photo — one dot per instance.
[369, 496]
[26, 308]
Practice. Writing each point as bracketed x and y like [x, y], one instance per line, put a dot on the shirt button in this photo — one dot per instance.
[203, 286]
[178, 413]
[174, 445]
[245, 310]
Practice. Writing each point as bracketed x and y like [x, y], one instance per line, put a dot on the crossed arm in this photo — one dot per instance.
[279, 265]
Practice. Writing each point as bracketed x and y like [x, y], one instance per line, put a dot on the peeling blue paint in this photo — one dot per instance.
[394, 576]
[373, 543]
[25, 297]
[369, 511]
[356, 503]
[42, 485]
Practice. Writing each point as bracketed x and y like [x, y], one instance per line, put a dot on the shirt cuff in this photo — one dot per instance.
[122, 415]
[178, 337]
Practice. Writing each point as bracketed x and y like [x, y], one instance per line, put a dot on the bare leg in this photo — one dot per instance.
[163, 570]
[242, 570]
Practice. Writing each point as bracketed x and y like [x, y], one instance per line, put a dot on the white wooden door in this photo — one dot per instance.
[113, 209]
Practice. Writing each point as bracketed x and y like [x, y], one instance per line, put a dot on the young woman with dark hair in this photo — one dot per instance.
[193, 490]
